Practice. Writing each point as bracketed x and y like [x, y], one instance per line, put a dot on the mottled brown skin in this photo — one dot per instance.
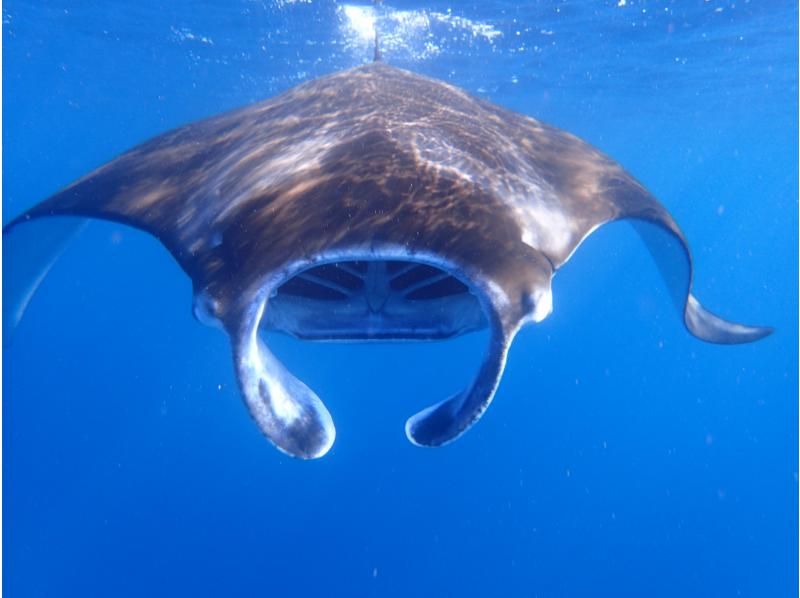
[389, 157]
[373, 163]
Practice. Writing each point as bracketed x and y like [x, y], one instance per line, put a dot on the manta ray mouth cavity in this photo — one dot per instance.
[371, 298]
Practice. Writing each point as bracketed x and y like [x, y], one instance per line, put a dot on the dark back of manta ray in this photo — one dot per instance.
[373, 204]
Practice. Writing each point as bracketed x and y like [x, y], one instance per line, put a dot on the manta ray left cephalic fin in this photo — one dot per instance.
[445, 421]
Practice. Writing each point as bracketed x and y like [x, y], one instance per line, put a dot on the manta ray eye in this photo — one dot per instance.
[527, 302]
[205, 309]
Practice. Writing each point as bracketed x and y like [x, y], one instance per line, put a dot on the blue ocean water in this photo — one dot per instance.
[621, 456]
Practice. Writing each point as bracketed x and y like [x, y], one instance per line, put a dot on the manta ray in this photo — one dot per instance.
[372, 204]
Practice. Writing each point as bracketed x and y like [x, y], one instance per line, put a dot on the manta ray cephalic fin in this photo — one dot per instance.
[285, 409]
[445, 421]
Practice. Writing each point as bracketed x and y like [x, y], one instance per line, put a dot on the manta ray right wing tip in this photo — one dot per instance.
[709, 327]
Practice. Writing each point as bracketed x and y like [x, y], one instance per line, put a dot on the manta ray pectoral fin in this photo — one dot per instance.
[444, 422]
[286, 410]
[30, 248]
[671, 254]
[713, 329]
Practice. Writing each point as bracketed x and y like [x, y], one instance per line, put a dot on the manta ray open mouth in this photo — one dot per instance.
[382, 294]
[374, 300]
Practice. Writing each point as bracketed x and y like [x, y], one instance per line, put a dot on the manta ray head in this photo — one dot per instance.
[384, 293]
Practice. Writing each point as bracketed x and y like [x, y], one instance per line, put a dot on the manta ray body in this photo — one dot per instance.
[371, 204]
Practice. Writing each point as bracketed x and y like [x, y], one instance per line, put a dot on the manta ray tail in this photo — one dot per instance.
[30, 248]
[377, 56]
[665, 244]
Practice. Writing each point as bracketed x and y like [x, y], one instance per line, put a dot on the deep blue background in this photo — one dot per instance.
[621, 457]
